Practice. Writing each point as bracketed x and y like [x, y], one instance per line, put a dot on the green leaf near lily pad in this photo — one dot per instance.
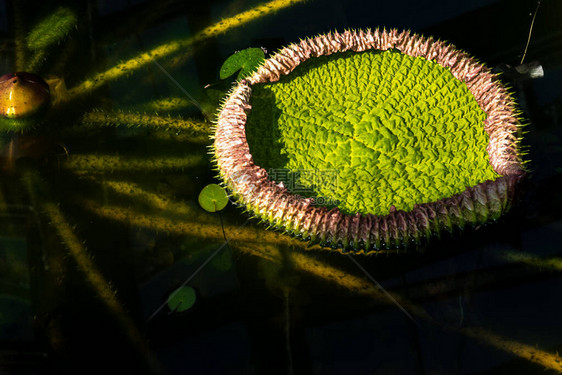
[245, 61]
[213, 198]
[182, 299]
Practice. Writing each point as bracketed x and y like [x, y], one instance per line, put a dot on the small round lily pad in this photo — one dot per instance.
[182, 299]
[213, 198]
[246, 61]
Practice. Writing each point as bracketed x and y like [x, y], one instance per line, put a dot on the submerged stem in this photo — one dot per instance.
[530, 31]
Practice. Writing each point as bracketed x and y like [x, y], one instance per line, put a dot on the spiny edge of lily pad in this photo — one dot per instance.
[296, 215]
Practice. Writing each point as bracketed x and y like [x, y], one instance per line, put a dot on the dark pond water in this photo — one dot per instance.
[100, 221]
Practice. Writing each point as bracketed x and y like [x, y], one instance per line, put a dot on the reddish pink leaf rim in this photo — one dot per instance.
[300, 216]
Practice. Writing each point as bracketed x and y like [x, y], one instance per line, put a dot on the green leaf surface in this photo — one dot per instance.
[247, 61]
[213, 198]
[182, 299]
[367, 131]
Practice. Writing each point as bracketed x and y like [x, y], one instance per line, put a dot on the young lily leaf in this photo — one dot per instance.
[213, 198]
[182, 299]
[245, 61]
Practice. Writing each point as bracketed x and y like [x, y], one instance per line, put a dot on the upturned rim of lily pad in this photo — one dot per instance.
[273, 203]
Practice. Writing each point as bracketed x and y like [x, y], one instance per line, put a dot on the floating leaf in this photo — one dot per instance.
[246, 61]
[182, 299]
[392, 142]
[413, 135]
[213, 198]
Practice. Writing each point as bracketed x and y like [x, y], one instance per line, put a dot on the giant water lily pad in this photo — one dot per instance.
[397, 134]
[368, 140]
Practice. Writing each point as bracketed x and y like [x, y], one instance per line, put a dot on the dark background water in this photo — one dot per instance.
[491, 296]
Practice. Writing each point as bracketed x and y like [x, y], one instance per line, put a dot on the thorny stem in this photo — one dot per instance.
[222, 227]
[530, 32]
